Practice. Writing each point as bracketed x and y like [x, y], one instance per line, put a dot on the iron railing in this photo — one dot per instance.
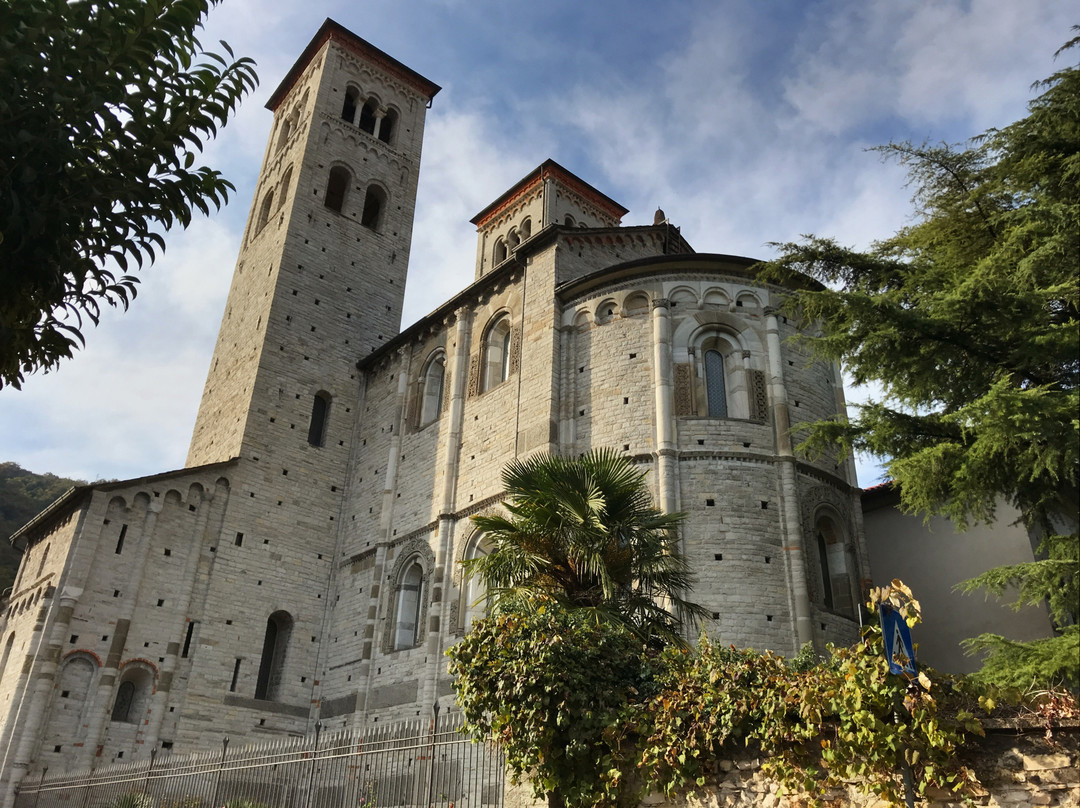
[418, 764]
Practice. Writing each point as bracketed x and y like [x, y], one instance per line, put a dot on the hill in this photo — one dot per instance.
[23, 494]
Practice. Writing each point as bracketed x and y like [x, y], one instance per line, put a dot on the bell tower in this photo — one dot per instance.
[321, 272]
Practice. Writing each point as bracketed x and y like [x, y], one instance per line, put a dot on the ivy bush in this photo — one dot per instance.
[594, 719]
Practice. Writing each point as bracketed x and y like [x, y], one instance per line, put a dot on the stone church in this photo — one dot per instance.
[304, 565]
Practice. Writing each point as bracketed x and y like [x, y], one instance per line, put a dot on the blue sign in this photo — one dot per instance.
[899, 649]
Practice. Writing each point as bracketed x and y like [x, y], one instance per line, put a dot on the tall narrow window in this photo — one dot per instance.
[387, 126]
[120, 539]
[374, 201]
[433, 389]
[320, 414]
[264, 210]
[836, 579]
[7, 654]
[272, 664]
[500, 252]
[410, 600]
[367, 116]
[286, 130]
[336, 186]
[715, 388]
[497, 353]
[283, 188]
[44, 558]
[348, 109]
[125, 696]
[526, 229]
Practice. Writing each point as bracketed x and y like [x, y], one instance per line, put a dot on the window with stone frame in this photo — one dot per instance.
[495, 364]
[408, 611]
[432, 383]
[271, 678]
[835, 566]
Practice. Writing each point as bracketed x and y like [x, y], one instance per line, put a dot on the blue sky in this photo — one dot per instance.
[748, 122]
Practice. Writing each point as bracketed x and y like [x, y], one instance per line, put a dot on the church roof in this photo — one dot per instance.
[351, 42]
[549, 168]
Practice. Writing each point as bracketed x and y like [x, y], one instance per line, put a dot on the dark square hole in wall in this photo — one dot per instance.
[65, 693]
[768, 559]
[104, 637]
[160, 602]
[581, 412]
[168, 552]
[581, 369]
[633, 356]
[57, 748]
[625, 400]
[626, 447]
[146, 645]
[718, 556]
[822, 626]
[262, 722]
[166, 744]
[764, 505]
[716, 615]
[191, 507]
[710, 503]
[768, 617]
[259, 583]
[239, 541]
[116, 593]
[267, 541]
[119, 755]
[74, 639]
[746, 444]
[796, 403]
[228, 622]
[284, 472]
[701, 443]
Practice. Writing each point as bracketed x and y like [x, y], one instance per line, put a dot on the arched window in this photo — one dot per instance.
[526, 229]
[473, 604]
[496, 363]
[513, 239]
[320, 414]
[833, 564]
[374, 202]
[125, 698]
[409, 607]
[500, 252]
[348, 109]
[569, 221]
[264, 210]
[336, 186]
[7, 654]
[434, 376]
[286, 130]
[272, 664]
[367, 116]
[715, 387]
[387, 126]
[286, 181]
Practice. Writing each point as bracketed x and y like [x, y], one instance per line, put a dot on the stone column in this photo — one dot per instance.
[794, 554]
[568, 384]
[458, 368]
[664, 386]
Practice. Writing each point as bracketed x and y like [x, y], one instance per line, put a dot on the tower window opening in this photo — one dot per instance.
[283, 188]
[348, 108]
[320, 412]
[526, 229]
[272, 665]
[387, 126]
[336, 186]
[367, 116]
[500, 252]
[264, 210]
[373, 208]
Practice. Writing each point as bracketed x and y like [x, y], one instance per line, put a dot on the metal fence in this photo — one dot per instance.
[426, 763]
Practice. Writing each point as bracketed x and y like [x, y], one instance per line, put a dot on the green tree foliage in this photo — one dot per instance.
[583, 534]
[103, 107]
[594, 718]
[968, 321]
[23, 495]
[552, 687]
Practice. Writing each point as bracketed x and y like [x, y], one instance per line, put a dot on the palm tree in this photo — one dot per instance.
[584, 534]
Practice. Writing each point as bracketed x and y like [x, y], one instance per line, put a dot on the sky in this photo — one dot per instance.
[747, 121]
